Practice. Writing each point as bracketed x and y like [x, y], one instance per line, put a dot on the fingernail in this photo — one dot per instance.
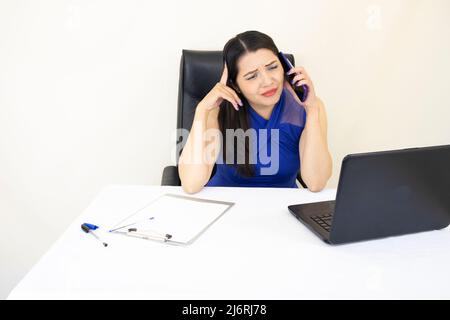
[240, 103]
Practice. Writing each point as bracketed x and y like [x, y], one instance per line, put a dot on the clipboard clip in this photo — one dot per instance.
[148, 235]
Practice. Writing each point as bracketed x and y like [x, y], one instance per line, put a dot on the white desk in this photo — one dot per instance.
[256, 250]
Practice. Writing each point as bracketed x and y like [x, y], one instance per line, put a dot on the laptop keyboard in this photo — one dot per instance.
[324, 221]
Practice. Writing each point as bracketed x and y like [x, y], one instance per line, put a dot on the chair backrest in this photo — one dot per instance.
[200, 70]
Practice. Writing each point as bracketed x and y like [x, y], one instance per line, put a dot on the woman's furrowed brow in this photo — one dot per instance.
[257, 70]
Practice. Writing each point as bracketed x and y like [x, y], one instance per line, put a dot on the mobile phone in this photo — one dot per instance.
[302, 91]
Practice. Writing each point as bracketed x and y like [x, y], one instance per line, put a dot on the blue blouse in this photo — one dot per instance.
[289, 117]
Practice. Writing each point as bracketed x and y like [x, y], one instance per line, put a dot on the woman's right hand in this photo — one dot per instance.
[219, 93]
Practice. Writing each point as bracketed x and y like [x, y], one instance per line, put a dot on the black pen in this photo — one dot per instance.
[156, 236]
[89, 228]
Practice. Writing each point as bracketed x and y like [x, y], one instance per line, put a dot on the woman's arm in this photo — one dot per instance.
[201, 150]
[315, 158]
[194, 166]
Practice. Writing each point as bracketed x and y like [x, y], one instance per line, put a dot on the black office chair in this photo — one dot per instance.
[199, 73]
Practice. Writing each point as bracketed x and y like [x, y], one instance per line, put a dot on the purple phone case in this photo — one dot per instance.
[289, 65]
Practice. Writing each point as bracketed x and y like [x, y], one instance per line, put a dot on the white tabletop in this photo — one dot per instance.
[256, 250]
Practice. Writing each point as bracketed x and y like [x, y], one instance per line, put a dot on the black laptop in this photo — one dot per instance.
[383, 194]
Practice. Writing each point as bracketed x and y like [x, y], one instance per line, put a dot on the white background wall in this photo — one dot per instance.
[88, 92]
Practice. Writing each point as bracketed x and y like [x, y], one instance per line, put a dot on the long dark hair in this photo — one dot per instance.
[229, 118]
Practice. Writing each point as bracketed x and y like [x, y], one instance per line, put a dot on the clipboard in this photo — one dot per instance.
[172, 219]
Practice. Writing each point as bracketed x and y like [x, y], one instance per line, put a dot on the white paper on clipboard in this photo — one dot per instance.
[184, 218]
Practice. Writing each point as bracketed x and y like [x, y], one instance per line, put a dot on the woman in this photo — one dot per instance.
[254, 96]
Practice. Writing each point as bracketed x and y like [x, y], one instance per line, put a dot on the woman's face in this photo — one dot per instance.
[259, 72]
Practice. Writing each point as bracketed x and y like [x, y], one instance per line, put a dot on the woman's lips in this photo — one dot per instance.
[269, 93]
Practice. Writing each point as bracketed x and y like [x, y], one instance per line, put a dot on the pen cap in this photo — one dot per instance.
[91, 226]
[88, 226]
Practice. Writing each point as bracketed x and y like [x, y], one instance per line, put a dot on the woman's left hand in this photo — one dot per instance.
[302, 78]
